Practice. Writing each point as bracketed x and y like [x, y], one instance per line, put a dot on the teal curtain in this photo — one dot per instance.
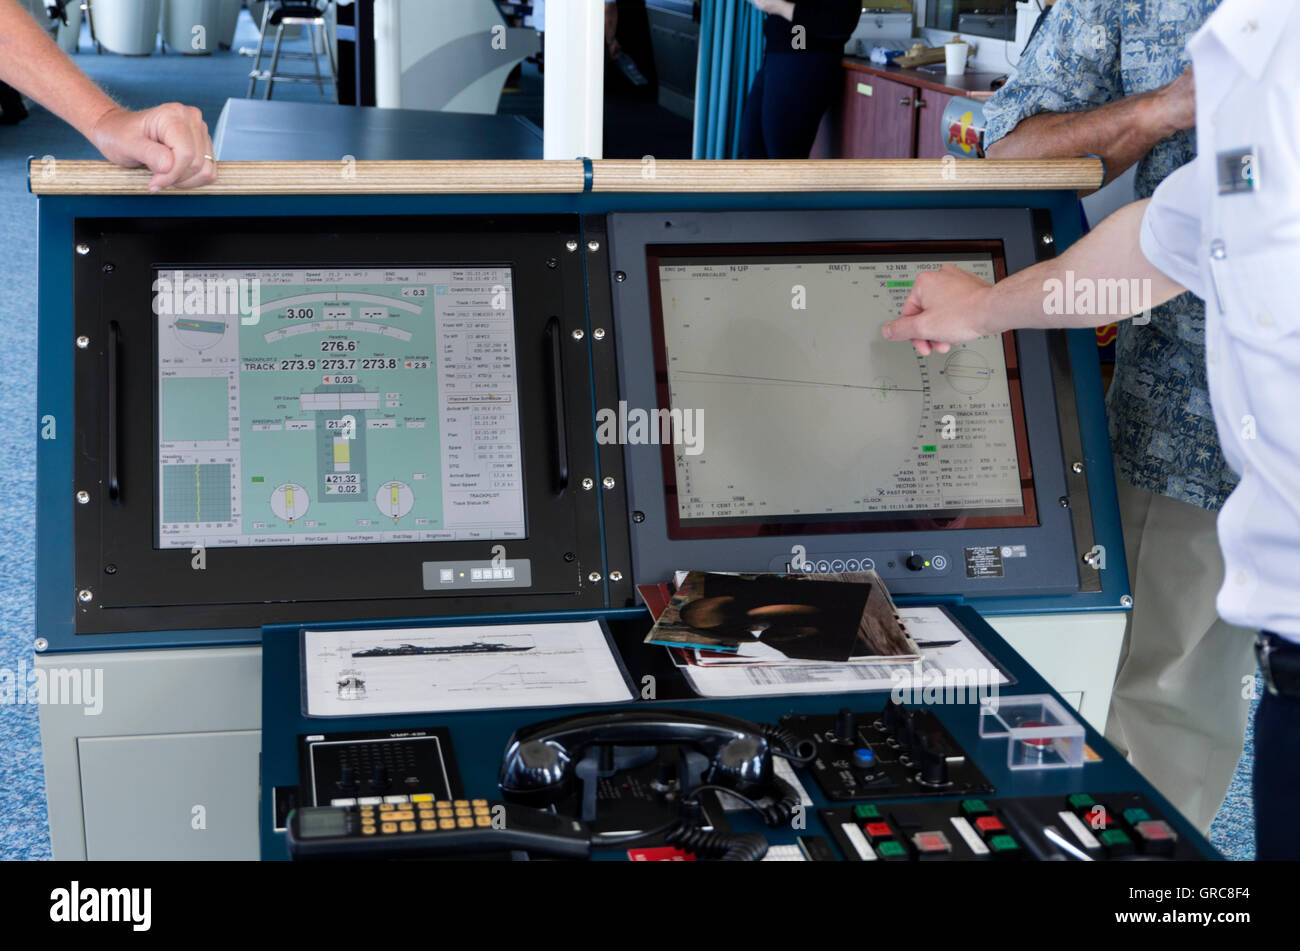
[731, 50]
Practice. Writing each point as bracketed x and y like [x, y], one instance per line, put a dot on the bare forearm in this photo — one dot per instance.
[1121, 133]
[34, 65]
[1112, 252]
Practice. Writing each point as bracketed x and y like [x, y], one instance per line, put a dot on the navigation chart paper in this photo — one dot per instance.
[418, 670]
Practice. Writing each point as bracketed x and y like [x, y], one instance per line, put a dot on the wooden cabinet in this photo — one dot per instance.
[931, 136]
[879, 117]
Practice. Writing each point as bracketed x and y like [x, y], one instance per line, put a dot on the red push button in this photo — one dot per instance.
[879, 830]
[931, 845]
[1157, 837]
[989, 825]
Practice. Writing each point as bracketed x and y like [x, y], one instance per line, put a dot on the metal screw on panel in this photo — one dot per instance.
[594, 577]
[83, 342]
[1048, 239]
[1126, 601]
[83, 249]
[570, 556]
[638, 517]
[608, 482]
[593, 245]
[1065, 502]
[110, 569]
[598, 333]
[552, 263]
[85, 594]
[620, 276]
[571, 244]
[579, 334]
[109, 267]
[83, 497]
[616, 575]
[1092, 559]
[1076, 468]
[40, 644]
[588, 483]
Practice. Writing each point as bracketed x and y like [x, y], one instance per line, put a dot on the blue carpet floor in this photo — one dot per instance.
[205, 82]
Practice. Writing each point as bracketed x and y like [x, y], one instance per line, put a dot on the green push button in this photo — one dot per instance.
[1115, 837]
[1004, 843]
[974, 807]
[1080, 800]
[1135, 815]
[866, 811]
[891, 850]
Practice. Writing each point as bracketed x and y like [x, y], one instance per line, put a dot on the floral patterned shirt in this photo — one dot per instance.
[1088, 53]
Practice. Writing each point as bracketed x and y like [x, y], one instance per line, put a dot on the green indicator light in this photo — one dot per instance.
[929, 448]
[259, 478]
[899, 283]
[927, 564]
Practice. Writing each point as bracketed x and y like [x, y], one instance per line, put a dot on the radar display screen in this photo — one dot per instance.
[782, 410]
[336, 406]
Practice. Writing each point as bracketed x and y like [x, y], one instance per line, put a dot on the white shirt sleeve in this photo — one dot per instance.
[1171, 228]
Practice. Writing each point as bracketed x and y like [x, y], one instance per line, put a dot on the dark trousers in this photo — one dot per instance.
[791, 93]
[1277, 778]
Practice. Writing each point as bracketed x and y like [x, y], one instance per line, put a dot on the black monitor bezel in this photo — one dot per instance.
[834, 523]
[136, 586]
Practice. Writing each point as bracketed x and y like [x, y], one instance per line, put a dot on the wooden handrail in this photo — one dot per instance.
[51, 176]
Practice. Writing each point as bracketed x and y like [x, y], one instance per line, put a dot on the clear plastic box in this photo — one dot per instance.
[1040, 732]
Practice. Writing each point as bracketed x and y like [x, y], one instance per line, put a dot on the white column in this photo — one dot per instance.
[388, 53]
[574, 93]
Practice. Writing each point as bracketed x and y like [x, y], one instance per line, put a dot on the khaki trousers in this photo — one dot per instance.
[1182, 693]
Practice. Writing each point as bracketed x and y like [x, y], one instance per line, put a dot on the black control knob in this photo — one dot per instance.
[905, 730]
[347, 779]
[934, 765]
[915, 562]
[846, 727]
[890, 714]
[379, 778]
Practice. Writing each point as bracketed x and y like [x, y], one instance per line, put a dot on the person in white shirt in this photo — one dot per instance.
[1227, 227]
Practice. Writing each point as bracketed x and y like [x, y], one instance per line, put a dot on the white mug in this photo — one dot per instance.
[955, 52]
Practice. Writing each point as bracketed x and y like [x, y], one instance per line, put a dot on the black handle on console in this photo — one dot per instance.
[560, 437]
[114, 377]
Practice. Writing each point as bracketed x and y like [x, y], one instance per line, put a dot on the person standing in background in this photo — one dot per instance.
[803, 47]
[1111, 78]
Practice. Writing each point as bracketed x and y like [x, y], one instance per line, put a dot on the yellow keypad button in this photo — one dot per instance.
[443, 807]
[483, 822]
[465, 823]
[478, 802]
[481, 811]
[401, 816]
[367, 820]
[387, 806]
[460, 803]
[446, 823]
[367, 830]
[428, 825]
[408, 826]
[422, 797]
[388, 828]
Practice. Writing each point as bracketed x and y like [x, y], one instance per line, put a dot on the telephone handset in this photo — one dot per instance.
[544, 763]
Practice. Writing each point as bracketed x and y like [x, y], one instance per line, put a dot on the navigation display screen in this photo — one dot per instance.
[802, 418]
[301, 406]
